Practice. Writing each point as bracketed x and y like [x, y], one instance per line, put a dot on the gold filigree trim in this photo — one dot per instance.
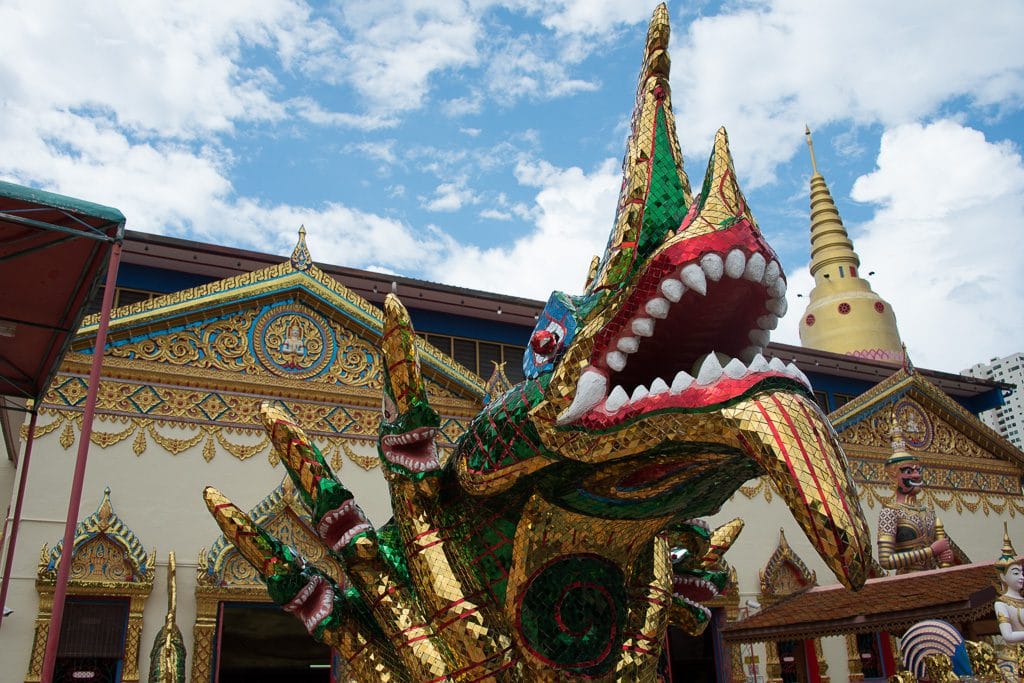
[366, 462]
[881, 494]
[145, 430]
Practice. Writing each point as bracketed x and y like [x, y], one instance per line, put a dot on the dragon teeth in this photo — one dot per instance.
[639, 394]
[616, 360]
[682, 382]
[712, 266]
[628, 344]
[758, 364]
[710, 370]
[590, 391]
[748, 354]
[768, 322]
[758, 337]
[657, 308]
[735, 369]
[616, 400]
[693, 277]
[672, 289]
[777, 306]
[643, 327]
[658, 386]
[777, 365]
[793, 371]
[771, 273]
[777, 289]
[735, 264]
[755, 268]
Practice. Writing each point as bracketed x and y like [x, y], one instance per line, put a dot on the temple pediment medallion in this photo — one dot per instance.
[289, 326]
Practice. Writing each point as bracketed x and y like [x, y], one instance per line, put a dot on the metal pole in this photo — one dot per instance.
[16, 522]
[61, 589]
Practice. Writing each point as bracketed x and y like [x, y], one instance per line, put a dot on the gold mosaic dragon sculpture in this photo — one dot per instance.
[562, 535]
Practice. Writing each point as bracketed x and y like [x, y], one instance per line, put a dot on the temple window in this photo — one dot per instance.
[92, 640]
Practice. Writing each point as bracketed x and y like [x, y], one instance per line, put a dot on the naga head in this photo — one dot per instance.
[406, 438]
[699, 572]
[650, 392]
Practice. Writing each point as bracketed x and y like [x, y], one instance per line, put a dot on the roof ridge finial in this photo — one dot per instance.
[810, 145]
[908, 365]
[301, 258]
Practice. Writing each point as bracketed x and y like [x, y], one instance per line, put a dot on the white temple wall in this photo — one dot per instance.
[159, 497]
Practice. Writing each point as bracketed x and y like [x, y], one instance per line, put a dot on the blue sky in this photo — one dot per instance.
[478, 143]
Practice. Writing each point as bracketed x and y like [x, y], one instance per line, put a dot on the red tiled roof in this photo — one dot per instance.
[889, 603]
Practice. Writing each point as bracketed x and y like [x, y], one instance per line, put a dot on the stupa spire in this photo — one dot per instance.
[831, 247]
[844, 315]
[655, 191]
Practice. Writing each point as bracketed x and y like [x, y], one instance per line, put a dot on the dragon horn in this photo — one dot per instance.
[306, 466]
[255, 545]
[722, 539]
[402, 360]
[790, 438]
[655, 190]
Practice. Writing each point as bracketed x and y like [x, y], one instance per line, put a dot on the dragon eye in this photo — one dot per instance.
[389, 408]
[543, 342]
[676, 555]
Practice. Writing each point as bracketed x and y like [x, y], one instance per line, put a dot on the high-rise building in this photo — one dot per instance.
[1008, 419]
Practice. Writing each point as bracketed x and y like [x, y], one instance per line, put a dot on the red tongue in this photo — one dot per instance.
[694, 592]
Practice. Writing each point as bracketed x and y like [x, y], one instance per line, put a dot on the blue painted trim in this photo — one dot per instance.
[433, 322]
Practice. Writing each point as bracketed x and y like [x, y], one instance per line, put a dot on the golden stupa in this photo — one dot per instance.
[844, 315]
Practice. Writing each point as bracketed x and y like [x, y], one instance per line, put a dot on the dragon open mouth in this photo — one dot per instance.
[691, 335]
[341, 525]
[313, 603]
[414, 450]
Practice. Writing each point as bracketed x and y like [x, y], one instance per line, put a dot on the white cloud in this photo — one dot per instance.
[450, 197]
[395, 48]
[524, 68]
[496, 215]
[944, 243]
[573, 213]
[594, 16]
[768, 67]
[311, 111]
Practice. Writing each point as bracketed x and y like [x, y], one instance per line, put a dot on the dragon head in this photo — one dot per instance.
[406, 438]
[649, 395]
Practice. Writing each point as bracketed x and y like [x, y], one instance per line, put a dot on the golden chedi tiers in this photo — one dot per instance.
[844, 315]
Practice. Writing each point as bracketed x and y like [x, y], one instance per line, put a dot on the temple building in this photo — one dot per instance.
[201, 335]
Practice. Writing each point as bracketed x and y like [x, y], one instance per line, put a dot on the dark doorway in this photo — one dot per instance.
[693, 659]
[259, 643]
[91, 644]
[792, 661]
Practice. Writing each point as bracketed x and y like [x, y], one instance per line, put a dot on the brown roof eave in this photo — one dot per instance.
[977, 606]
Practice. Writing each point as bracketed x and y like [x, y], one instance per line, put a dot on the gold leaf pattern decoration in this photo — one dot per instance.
[107, 439]
[172, 445]
[140, 443]
[367, 462]
[67, 437]
[209, 449]
[240, 451]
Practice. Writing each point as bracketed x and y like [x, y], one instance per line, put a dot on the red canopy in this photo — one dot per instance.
[53, 252]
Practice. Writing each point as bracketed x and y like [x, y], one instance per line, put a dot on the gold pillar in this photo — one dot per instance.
[853, 662]
[822, 664]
